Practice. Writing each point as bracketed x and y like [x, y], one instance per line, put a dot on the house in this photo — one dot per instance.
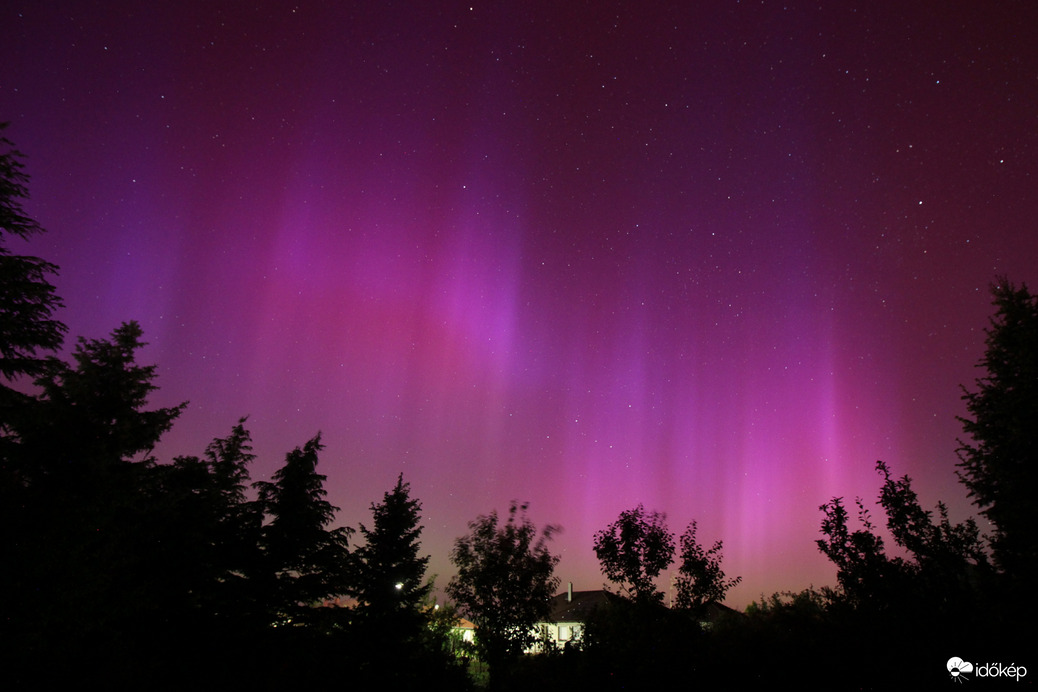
[463, 632]
[715, 612]
[569, 613]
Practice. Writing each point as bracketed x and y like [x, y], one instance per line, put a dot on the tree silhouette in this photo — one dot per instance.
[389, 573]
[28, 300]
[700, 578]
[943, 560]
[86, 519]
[307, 561]
[215, 528]
[1000, 465]
[864, 572]
[505, 582]
[947, 556]
[94, 413]
[634, 550]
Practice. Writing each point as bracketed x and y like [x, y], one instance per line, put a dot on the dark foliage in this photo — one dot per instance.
[388, 577]
[999, 464]
[504, 583]
[700, 579]
[945, 562]
[140, 574]
[634, 550]
[135, 574]
[306, 561]
[89, 527]
[640, 644]
[93, 414]
[217, 532]
[865, 574]
[28, 300]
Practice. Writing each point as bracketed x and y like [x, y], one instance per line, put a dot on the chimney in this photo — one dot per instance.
[569, 593]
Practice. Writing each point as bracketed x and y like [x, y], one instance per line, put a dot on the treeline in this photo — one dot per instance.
[944, 603]
[124, 570]
[131, 571]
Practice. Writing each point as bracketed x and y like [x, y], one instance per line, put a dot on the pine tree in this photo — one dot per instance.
[87, 518]
[215, 528]
[93, 414]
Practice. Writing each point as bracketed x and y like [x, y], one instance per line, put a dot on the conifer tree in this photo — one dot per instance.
[217, 529]
[28, 300]
[93, 412]
[305, 560]
[390, 573]
[999, 464]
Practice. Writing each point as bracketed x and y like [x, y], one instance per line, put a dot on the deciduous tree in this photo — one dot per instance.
[700, 578]
[944, 553]
[942, 559]
[634, 550]
[863, 571]
[505, 582]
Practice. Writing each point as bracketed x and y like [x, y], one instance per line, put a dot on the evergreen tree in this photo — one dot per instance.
[216, 530]
[93, 414]
[86, 521]
[1000, 463]
[28, 300]
[304, 559]
[389, 578]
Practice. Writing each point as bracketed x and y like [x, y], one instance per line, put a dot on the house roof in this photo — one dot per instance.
[583, 603]
[716, 611]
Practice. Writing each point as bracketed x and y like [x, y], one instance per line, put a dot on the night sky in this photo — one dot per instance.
[713, 257]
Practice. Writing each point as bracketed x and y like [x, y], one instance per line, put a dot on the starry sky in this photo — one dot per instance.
[714, 257]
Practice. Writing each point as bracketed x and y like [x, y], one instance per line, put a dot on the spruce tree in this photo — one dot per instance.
[390, 573]
[999, 465]
[305, 561]
[28, 300]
